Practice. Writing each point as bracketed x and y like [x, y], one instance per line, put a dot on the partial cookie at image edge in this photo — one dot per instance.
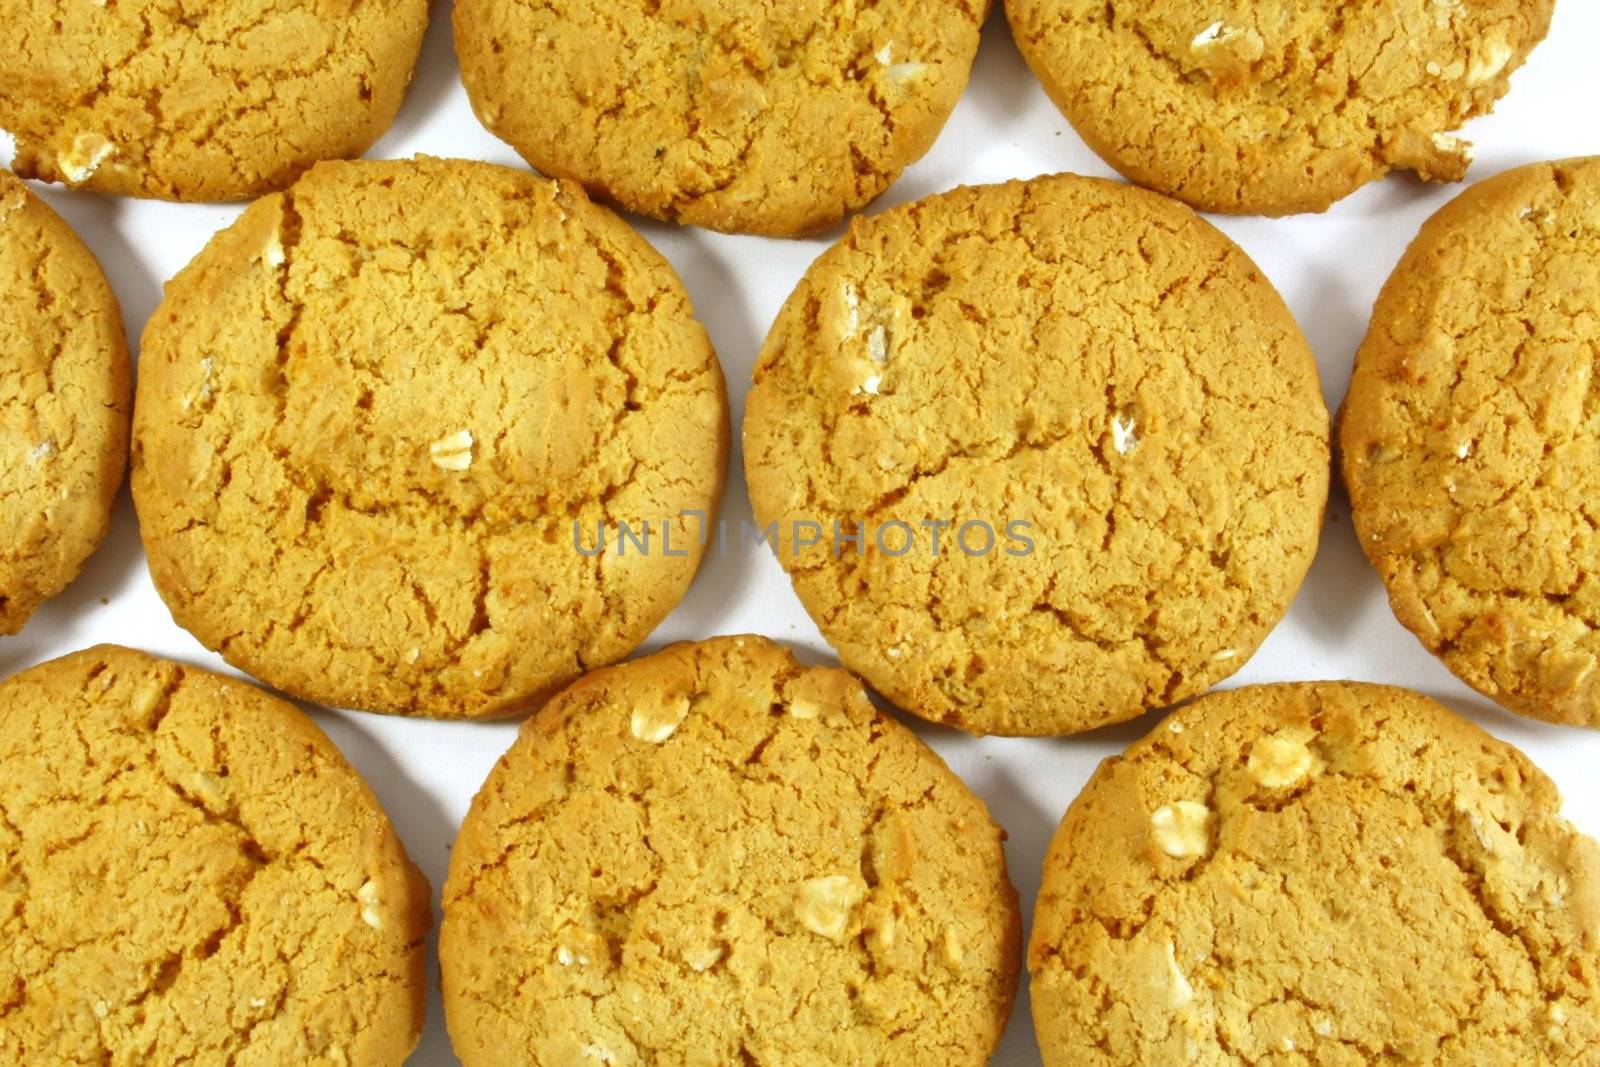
[1197, 107]
[221, 104]
[815, 886]
[190, 870]
[1273, 869]
[65, 398]
[1466, 420]
[736, 120]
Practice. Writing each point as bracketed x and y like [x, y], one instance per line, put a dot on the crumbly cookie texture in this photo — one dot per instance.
[1470, 439]
[220, 101]
[191, 873]
[715, 855]
[1274, 107]
[776, 117]
[1374, 880]
[1076, 354]
[380, 413]
[64, 398]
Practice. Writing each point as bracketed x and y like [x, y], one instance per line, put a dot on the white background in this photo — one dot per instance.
[1328, 267]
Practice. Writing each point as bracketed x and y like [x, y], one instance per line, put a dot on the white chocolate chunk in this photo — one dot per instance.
[654, 723]
[88, 152]
[824, 905]
[453, 452]
[1280, 760]
[367, 895]
[1181, 993]
[1182, 830]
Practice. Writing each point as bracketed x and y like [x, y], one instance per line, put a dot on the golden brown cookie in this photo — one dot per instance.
[1273, 107]
[384, 418]
[63, 403]
[1328, 873]
[776, 117]
[1076, 436]
[214, 101]
[715, 855]
[191, 873]
[1470, 439]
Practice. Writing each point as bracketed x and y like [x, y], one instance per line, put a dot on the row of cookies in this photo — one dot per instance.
[716, 855]
[759, 117]
[392, 423]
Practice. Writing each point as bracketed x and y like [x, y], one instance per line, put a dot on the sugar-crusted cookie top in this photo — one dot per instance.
[760, 116]
[219, 101]
[191, 873]
[1273, 107]
[63, 403]
[716, 855]
[1078, 355]
[373, 411]
[1471, 439]
[1329, 873]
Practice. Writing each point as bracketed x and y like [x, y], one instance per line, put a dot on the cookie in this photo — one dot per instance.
[1275, 108]
[388, 420]
[1470, 439]
[191, 873]
[748, 116]
[1327, 873]
[1038, 456]
[717, 855]
[220, 101]
[63, 403]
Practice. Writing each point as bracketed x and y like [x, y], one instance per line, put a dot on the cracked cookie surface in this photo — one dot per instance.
[190, 872]
[776, 117]
[717, 855]
[184, 100]
[64, 398]
[1076, 354]
[378, 415]
[1327, 873]
[1274, 107]
[1470, 439]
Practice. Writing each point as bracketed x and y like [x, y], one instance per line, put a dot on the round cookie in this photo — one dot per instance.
[63, 403]
[1273, 108]
[386, 419]
[749, 116]
[1470, 439]
[191, 873]
[1327, 873]
[1105, 404]
[717, 855]
[219, 101]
